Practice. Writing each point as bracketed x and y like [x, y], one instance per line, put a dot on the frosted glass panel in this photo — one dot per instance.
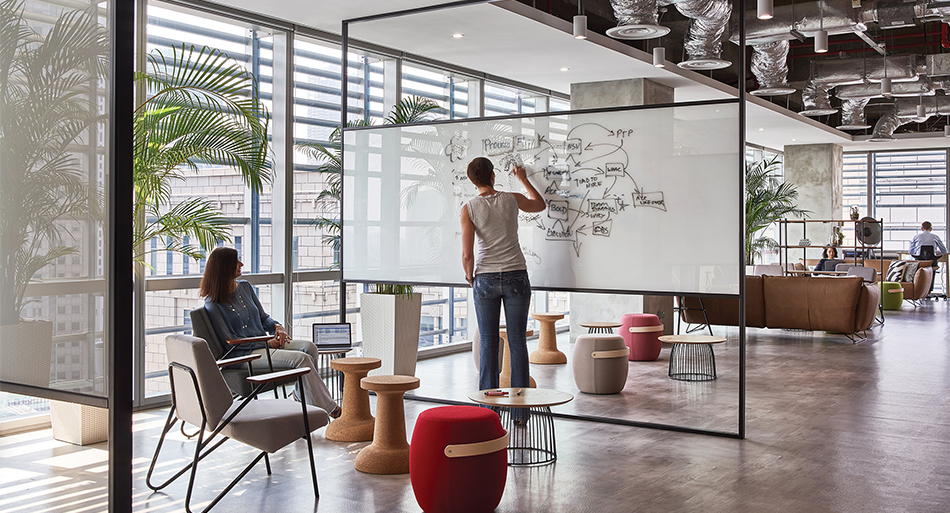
[641, 199]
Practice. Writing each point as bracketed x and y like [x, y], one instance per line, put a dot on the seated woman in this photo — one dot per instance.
[828, 256]
[236, 312]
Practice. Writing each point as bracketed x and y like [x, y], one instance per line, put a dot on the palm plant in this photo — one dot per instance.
[47, 105]
[201, 108]
[412, 109]
[767, 200]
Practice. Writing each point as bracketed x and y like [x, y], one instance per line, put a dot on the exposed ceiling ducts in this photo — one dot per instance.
[639, 19]
[904, 111]
[829, 73]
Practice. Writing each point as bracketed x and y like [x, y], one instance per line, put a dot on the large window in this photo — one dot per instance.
[909, 188]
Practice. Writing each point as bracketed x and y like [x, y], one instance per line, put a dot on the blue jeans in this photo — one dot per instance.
[490, 290]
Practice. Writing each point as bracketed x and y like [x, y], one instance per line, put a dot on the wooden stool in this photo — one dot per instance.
[504, 379]
[389, 452]
[547, 352]
[356, 424]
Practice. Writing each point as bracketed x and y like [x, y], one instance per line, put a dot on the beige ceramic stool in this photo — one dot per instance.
[356, 424]
[504, 379]
[547, 352]
[389, 452]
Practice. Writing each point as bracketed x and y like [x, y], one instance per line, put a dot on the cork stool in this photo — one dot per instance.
[547, 352]
[389, 452]
[504, 379]
[356, 424]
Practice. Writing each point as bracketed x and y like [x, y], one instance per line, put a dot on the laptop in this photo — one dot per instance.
[332, 335]
[830, 265]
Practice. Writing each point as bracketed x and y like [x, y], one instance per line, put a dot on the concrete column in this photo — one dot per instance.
[594, 95]
[816, 171]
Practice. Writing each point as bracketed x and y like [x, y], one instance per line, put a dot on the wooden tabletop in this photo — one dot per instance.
[692, 339]
[601, 324]
[389, 383]
[529, 398]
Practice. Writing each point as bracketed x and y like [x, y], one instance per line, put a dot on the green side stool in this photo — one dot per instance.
[892, 295]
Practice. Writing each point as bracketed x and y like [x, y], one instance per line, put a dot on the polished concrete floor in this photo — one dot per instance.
[831, 426]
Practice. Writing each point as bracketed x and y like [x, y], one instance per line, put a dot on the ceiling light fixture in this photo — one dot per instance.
[885, 82]
[565, 69]
[457, 35]
[659, 57]
[946, 130]
[921, 111]
[764, 9]
[580, 22]
[821, 37]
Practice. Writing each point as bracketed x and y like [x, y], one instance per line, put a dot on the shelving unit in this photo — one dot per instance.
[857, 249]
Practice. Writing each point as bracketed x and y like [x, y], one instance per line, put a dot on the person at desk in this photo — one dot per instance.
[829, 259]
[926, 237]
[498, 273]
[236, 312]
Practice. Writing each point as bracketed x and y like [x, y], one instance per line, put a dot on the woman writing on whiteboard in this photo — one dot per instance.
[497, 272]
[236, 312]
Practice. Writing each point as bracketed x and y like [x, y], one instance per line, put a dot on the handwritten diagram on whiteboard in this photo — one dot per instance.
[636, 200]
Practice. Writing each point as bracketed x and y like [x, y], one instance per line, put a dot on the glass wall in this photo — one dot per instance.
[909, 188]
[53, 276]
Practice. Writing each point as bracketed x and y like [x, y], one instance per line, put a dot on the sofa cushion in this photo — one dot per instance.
[828, 304]
[910, 269]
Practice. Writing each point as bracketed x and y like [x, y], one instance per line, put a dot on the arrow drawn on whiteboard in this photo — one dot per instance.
[577, 248]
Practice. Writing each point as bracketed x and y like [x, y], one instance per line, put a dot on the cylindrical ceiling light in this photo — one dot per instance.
[946, 130]
[580, 22]
[821, 37]
[764, 9]
[659, 57]
[921, 111]
[580, 27]
[821, 41]
[886, 86]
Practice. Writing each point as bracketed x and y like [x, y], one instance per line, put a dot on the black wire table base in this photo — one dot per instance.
[692, 362]
[531, 435]
[601, 329]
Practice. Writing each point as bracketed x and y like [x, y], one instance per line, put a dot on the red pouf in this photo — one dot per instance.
[645, 344]
[461, 484]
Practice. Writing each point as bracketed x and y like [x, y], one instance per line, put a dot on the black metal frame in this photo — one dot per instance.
[692, 362]
[203, 442]
[532, 440]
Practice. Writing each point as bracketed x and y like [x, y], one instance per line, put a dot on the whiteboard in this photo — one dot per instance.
[638, 200]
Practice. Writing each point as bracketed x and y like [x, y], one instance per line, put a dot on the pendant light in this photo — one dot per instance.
[821, 37]
[580, 22]
[885, 82]
[659, 57]
[946, 128]
[921, 111]
[764, 9]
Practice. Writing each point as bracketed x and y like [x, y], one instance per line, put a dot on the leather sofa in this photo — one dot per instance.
[843, 304]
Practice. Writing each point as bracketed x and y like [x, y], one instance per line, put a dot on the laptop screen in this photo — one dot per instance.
[331, 335]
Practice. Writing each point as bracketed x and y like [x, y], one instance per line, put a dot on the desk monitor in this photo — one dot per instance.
[335, 335]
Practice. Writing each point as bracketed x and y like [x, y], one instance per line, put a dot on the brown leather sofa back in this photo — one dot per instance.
[843, 304]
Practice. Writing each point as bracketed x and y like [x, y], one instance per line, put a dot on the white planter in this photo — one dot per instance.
[26, 353]
[79, 424]
[391, 331]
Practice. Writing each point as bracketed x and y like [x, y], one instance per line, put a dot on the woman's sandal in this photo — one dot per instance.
[335, 414]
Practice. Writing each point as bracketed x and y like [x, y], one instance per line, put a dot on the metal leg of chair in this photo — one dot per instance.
[169, 424]
[186, 435]
[306, 434]
[705, 317]
[267, 463]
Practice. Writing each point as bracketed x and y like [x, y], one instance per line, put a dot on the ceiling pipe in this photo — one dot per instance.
[636, 19]
[770, 67]
[852, 114]
[703, 41]
[904, 111]
[828, 73]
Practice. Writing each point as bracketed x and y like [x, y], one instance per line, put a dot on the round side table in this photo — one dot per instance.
[547, 352]
[356, 424]
[389, 452]
[601, 327]
[692, 358]
[526, 415]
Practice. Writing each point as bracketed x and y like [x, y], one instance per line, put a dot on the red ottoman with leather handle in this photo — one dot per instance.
[641, 333]
[458, 459]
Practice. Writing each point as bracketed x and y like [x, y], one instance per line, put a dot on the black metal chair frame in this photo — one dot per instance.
[202, 442]
[680, 308]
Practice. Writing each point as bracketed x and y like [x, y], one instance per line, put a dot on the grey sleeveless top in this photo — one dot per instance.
[496, 233]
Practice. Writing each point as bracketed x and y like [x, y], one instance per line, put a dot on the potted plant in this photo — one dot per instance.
[197, 110]
[390, 316]
[46, 109]
[767, 200]
[855, 214]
